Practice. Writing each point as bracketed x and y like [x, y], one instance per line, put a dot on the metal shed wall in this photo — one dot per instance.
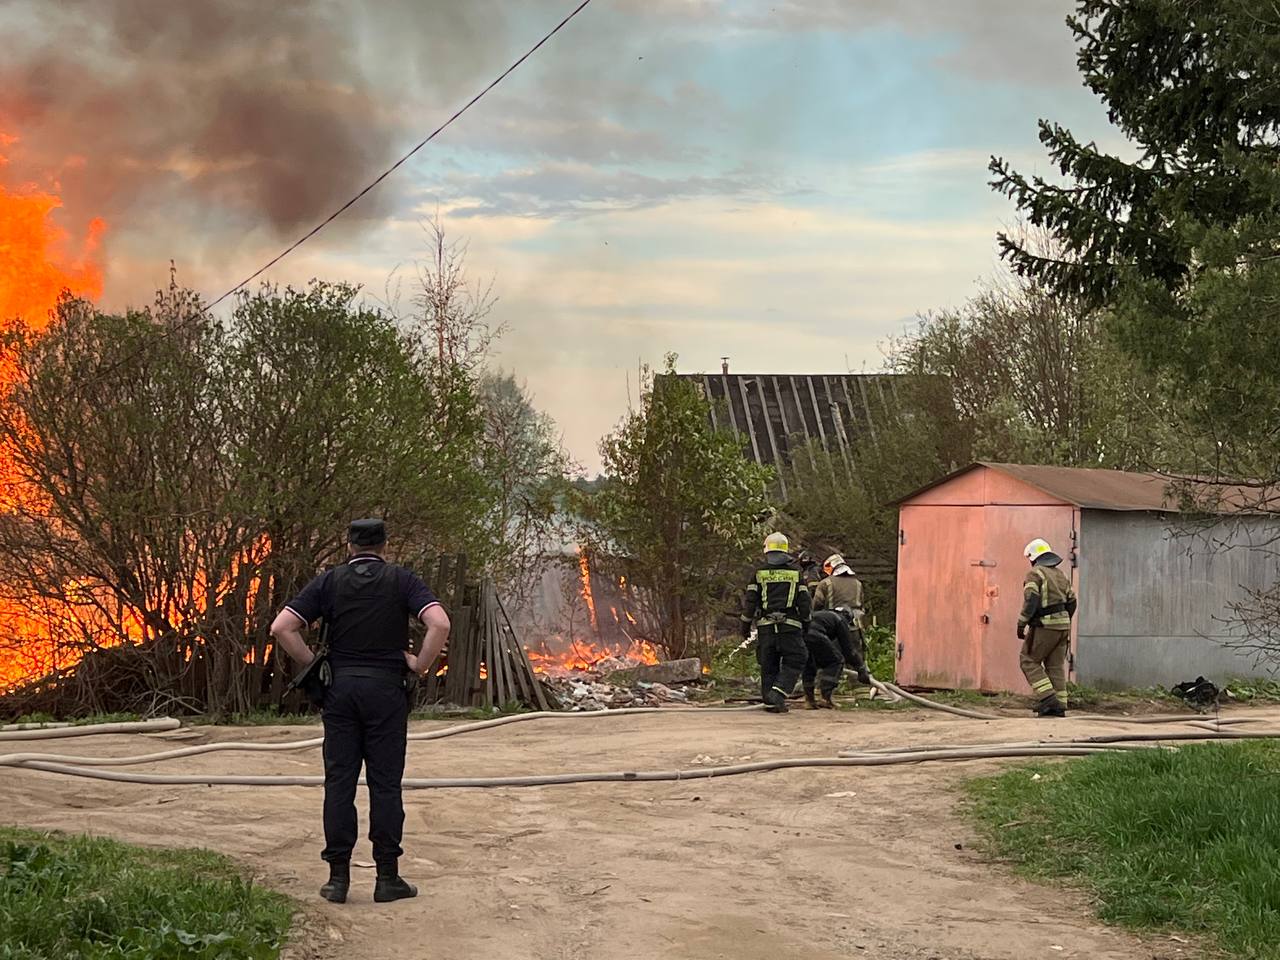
[1153, 603]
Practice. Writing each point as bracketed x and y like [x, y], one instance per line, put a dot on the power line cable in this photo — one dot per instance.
[395, 166]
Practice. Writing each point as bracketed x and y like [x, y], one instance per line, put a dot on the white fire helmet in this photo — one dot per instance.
[1036, 548]
[829, 565]
[776, 541]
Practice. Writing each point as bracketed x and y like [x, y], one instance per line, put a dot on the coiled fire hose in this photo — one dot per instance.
[91, 767]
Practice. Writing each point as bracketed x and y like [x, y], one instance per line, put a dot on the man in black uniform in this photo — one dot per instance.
[777, 602]
[829, 640]
[367, 604]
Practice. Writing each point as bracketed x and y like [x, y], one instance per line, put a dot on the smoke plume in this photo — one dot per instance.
[237, 112]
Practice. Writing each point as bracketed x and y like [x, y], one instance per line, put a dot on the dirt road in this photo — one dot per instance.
[763, 866]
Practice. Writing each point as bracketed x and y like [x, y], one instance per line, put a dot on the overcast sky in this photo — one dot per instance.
[787, 183]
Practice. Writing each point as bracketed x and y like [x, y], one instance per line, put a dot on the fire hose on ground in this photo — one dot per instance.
[92, 767]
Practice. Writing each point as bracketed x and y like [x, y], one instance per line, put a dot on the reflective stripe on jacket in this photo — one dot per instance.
[1048, 600]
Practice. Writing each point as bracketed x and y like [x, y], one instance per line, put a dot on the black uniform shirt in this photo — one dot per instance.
[367, 604]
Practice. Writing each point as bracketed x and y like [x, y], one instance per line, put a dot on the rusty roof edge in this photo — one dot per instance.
[1024, 473]
[1115, 491]
[1138, 482]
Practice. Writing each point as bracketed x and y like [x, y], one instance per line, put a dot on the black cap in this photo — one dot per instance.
[367, 533]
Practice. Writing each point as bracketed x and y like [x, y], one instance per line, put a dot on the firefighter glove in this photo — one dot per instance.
[1022, 631]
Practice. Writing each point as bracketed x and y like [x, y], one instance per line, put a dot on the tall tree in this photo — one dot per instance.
[1182, 244]
[678, 512]
[525, 467]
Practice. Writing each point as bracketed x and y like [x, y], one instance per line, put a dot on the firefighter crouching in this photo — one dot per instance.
[778, 603]
[1044, 627]
[829, 641]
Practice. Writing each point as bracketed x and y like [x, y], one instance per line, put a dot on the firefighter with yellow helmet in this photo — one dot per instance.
[777, 603]
[1044, 627]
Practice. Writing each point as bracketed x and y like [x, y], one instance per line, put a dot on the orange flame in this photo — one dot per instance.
[581, 656]
[36, 263]
[584, 565]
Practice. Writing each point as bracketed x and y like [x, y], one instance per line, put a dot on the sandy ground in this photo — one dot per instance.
[761, 866]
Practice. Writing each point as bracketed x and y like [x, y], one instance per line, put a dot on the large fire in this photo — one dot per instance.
[38, 260]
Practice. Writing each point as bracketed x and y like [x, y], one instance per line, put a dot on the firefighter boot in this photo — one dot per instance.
[335, 891]
[827, 703]
[390, 885]
[1050, 706]
[775, 701]
[809, 701]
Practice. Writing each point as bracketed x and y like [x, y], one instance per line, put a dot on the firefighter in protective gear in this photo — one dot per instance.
[842, 588]
[777, 602]
[1044, 627]
[829, 641]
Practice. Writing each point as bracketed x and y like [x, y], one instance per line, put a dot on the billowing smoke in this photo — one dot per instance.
[235, 112]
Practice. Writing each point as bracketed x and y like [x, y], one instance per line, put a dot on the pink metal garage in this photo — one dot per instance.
[960, 570]
[1159, 596]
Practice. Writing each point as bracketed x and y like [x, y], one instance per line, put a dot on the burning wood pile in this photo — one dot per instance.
[585, 677]
[582, 637]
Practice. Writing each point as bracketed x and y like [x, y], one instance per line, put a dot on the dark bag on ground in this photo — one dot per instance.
[1199, 692]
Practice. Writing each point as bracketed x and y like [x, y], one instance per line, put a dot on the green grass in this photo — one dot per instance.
[1254, 691]
[1089, 697]
[1185, 840]
[64, 897]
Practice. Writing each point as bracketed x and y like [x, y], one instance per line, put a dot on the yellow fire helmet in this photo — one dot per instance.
[776, 541]
[1036, 548]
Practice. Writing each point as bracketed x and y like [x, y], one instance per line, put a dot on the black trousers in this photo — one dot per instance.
[825, 663]
[781, 655]
[366, 722]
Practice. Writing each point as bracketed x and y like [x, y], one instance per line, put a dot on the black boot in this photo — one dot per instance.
[391, 886]
[335, 891]
[1050, 706]
[809, 700]
[827, 703]
[775, 701]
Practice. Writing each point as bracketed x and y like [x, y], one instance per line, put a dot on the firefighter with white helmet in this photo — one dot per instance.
[840, 588]
[1044, 627]
[777, 602]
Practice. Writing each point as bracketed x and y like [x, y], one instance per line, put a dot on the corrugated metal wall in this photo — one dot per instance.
[774, 413]
[1153, 604]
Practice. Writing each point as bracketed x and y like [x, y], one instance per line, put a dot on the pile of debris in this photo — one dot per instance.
[613, 686]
